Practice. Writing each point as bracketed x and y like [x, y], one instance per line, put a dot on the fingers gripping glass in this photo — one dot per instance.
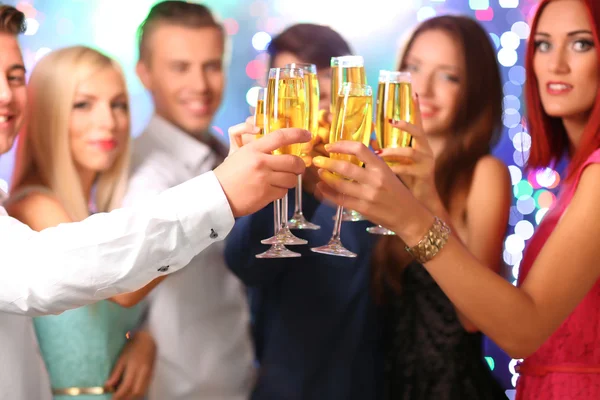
[352, 121]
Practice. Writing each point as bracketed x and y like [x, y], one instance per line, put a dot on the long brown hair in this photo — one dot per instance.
[476, 127]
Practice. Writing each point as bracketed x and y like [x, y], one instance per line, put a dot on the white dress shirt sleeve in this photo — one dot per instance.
[80, 263]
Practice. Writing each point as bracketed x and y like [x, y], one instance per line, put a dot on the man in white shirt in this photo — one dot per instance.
[204, 307]
[80, 263]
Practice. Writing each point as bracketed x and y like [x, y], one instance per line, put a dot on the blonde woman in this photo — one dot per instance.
[74, 156]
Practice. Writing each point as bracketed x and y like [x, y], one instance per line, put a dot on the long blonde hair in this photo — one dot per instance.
[44, 149]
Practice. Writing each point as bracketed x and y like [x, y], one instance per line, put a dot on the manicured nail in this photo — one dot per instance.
[378, 151]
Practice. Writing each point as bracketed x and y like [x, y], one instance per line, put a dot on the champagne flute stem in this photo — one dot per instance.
[283, 215]
[337, 227]
[276, 215]
[298, 206]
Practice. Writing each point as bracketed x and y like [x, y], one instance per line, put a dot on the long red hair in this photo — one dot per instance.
[549, 139]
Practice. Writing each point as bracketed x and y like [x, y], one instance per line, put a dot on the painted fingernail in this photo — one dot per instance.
[378, 151]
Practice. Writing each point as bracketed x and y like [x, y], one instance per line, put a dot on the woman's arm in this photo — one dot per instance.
[519, 320]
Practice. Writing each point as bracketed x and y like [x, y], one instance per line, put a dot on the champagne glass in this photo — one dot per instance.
[346, 69]
[286, 107]
[311, 83]
[277, 250]
[394, 101]
[353, 120]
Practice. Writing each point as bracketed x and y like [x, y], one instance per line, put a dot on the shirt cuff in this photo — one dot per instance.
[202, 208]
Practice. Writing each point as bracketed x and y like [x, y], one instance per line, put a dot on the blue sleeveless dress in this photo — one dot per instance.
[81, 346]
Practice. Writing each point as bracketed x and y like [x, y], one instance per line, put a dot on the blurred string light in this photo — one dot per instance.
[252, 95]
[509, 3]
[261, 40]
[426, 13]
[32, 26]
[479, 4]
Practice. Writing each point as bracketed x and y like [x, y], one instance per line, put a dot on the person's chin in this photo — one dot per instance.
[6, 143]
[561, 111]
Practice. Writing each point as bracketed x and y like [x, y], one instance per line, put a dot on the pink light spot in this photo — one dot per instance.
[255, 69]
[485, 15]
[231, 26]
[218, 130]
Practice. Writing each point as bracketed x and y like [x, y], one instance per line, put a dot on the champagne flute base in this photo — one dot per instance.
[352, 216]
[278, 251]
[284, 237]
[299, 222]
[380, 230]
[334, 248]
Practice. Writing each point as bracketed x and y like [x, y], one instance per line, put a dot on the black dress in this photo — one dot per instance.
[428, 354]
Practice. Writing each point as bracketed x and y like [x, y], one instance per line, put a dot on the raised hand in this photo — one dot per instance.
[252, 177]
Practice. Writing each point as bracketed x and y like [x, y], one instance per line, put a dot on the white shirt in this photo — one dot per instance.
[22, 371]
[80, 263]
[109, 253]
[199, 316]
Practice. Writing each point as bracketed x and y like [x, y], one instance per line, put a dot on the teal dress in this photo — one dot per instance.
[81, 346]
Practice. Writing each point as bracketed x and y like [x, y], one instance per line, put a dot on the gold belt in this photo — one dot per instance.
[78, 391]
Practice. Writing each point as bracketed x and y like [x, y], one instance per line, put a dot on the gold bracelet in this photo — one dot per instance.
[431, 244]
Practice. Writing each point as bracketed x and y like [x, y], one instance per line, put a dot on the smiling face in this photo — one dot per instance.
[13, 93]
[99, 121]
[565, 62]
[436, 64]
[184, 73]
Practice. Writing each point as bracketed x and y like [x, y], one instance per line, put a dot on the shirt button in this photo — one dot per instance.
[213, 234]
[163, 269]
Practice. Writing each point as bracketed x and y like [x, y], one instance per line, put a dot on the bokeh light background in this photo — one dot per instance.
[375, 30]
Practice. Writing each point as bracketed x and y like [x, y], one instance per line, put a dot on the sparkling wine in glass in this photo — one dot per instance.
[346, 69]
[286, 106]
[298, 221]
[394, 101]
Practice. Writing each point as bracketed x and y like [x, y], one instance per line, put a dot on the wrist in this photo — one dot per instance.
[415, 226]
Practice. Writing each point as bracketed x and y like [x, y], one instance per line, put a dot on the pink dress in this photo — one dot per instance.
[567, 365]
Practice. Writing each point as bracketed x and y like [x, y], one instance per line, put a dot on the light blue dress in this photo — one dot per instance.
[81, 346]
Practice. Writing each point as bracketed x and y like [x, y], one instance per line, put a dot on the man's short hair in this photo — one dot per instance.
[12, 21]
[311, 43]
[174, 12]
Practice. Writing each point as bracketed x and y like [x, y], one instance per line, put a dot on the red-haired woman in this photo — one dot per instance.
[553, 317]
